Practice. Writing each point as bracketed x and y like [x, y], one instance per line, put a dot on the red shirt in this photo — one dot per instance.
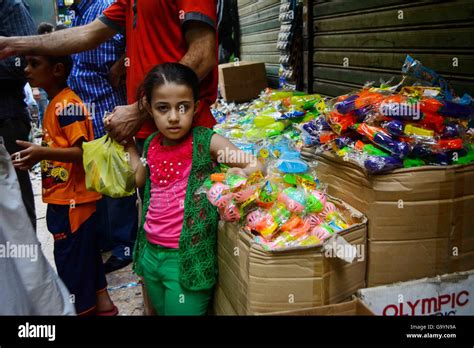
[154, 35]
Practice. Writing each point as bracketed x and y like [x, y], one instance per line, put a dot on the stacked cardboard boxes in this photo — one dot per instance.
[420, 220]
[253, 280]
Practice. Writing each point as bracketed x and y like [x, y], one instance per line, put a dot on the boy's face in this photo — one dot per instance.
[39, 71]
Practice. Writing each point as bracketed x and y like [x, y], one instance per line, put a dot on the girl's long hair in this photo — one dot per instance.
[167, 73]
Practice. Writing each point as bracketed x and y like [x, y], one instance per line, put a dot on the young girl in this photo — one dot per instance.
[175, 251]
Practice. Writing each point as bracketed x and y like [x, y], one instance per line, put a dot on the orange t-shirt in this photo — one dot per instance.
[66, 120]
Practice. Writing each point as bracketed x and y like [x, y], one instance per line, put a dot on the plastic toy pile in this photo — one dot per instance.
[272, 117]
[381, 130]
[288, 208]
[283, 210]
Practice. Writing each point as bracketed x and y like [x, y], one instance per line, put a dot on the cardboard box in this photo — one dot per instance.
[252, 280]
[353, 307]
[420, 220]
[242, 81]
[450, 294]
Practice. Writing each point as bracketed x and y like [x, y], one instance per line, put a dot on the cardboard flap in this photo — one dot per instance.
[353, 307]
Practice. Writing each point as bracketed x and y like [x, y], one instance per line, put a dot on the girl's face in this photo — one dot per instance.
[172, 107]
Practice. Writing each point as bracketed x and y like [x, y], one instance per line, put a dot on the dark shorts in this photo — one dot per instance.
[77, 256]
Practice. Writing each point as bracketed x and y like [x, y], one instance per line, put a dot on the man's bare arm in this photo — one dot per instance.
[63, 42]
[201, 54]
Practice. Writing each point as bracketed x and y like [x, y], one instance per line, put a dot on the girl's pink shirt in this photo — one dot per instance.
[170, 167]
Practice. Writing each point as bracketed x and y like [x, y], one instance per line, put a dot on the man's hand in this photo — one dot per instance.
[124, 122]
[27, 158]
[116, 78]
[6, 49]
[117, 73]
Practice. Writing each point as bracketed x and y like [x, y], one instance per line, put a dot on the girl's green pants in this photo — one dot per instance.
[161, 276]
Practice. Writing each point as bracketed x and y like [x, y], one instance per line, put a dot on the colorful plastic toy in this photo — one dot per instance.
[218, 177]
[335, 220]
[381, 138]
[446, 108]
[320, 196]
[329, 207]
[340, 123]
[360, 100]
[369, 149]
[399, 128]
[268, 195]
[413, 162]
[294, 199]
[266, 227]
[253, 218]
[216, 192]
[450, 131]
[322, 232]
[313, 202]
[235, 181]
[231, 213]
[244, 194]
[314, 220]
[279, 213]
[379, 164]
[292, 223]
[418, 131]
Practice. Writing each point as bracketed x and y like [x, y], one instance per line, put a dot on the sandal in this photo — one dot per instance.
[111, 313]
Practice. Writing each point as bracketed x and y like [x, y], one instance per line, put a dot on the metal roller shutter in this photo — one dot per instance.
[373, 37]
[259, 28]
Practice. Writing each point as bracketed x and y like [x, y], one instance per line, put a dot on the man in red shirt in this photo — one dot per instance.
[157, 31]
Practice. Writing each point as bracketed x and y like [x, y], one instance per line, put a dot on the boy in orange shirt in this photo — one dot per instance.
[71, 216]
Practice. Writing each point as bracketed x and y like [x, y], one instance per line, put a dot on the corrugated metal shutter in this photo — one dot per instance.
[259, 27]
[374, 36]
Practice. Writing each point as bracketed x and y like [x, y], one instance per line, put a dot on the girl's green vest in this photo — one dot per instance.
[198, 240]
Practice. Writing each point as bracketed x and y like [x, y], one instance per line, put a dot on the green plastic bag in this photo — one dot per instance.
[108, 169]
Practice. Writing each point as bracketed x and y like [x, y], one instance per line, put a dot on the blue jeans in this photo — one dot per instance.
[118, 225]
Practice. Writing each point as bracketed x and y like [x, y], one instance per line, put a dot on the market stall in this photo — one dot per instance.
[400, 154]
